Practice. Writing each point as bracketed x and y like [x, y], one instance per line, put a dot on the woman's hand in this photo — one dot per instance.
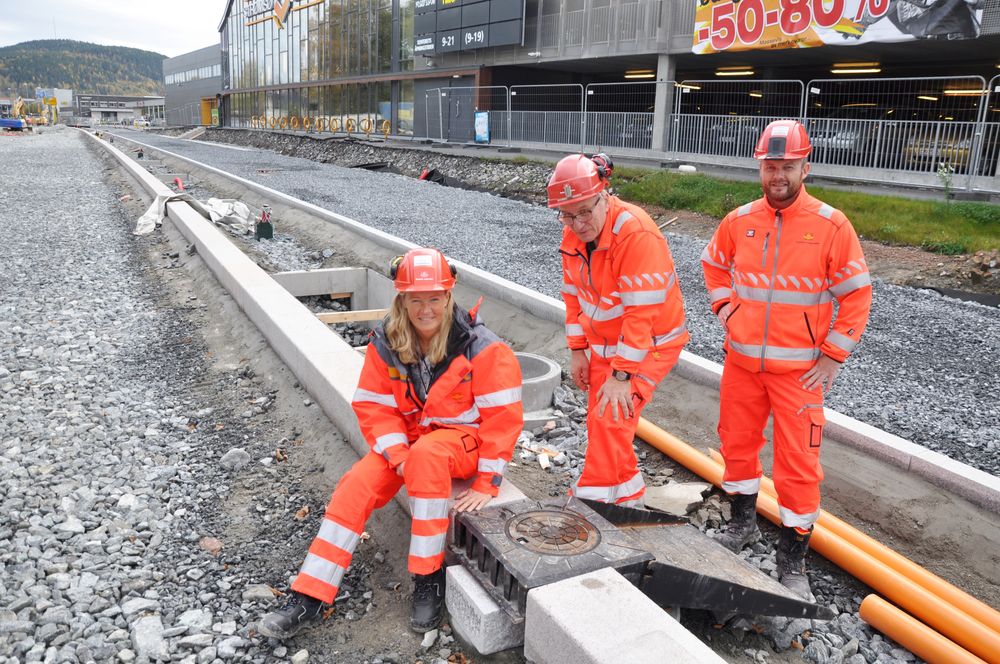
[470, 501]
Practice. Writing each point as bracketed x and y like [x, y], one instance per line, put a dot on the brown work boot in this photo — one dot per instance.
[790, 555]
[742, 527]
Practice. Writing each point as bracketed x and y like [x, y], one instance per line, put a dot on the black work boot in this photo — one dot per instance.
[428, 601]
[742, 528]
[790, 555]
[298, 611]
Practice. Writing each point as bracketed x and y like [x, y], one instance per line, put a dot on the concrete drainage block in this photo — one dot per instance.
[539, 376]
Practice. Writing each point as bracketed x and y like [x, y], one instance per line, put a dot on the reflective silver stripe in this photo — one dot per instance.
[468, 417]
[776, 352]
[856, 265]
[425, 546]
[610, 494]
[499, 398]
[826, 210]
[720, 294]
[367, 396]
[574, 330]
[606, 352]
[744, 209]
[793, 520]
[339, 536]
[385, 441]
[491, 465]
[707, 258]
[783, 297]
[569, 289]
[852, 284]
[841, 341]
[631, 354]
[746, 487]
[424, 509]
[322, 569]
[620, 220]
[635, 298]
[661, 339]
[597, 314]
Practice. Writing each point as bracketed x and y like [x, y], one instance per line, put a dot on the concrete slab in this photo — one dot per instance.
[600, 617]
[331, 280]
[677, 497]
[476, 617]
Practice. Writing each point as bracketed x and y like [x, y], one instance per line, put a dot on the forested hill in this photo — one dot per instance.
[83, 67]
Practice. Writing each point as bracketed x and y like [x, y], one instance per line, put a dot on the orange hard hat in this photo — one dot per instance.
[422, 270]
[576, 178]
[783, 139]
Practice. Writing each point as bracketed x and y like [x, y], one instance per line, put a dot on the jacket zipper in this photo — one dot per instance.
[809, 327]
[763, 259]
[770, 286]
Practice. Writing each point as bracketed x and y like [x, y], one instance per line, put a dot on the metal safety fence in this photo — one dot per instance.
[927, 128]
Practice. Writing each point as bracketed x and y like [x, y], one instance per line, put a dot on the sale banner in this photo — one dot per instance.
[742, 25]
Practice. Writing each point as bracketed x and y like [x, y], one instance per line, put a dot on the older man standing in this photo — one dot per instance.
[624, 309]
[773, 268]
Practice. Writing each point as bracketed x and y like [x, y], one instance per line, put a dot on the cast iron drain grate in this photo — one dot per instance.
[553, 533]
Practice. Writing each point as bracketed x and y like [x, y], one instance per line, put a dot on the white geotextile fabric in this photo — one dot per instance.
[229, 213]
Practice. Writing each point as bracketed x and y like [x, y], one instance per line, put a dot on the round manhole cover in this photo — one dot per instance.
[553, 532]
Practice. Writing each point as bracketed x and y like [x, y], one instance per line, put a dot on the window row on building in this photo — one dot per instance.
[201, 73]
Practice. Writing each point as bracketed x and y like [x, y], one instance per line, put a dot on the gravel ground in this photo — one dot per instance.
[153, 492]
[926, 369]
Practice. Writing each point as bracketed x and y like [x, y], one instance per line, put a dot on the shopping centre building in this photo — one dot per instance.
[897, 85]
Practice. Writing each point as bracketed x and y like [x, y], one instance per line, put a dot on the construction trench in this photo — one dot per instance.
[498, 600]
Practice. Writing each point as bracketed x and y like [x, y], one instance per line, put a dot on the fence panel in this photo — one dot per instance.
[548, 114]
[620, 115]
[433, 115]
[989, 149]
[918, 125]
[460, 104]
[725, 118]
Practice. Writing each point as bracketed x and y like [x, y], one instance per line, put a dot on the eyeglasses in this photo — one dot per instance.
[582, 217]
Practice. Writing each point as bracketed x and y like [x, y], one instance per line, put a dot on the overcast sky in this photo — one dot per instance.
[170, 27]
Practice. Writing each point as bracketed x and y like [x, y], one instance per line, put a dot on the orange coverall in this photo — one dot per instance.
[781, 270]
[624, 304]
[468, 424]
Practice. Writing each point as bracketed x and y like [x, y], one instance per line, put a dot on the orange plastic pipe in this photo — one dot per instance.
[942, 616]
[915, 636]
[949, 593]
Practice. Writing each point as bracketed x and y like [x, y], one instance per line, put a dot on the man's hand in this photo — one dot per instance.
[821, 374]
[579, 369]
[724, 313]
[470, 501]
[399, 469]
[617, 393]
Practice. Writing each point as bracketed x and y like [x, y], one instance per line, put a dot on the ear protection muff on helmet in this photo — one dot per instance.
[395, 262]
[605, 167]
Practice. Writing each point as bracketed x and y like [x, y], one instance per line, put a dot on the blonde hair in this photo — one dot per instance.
[403, 339]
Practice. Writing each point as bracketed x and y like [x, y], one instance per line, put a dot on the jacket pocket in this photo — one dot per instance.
[817, 420]
[812, 337]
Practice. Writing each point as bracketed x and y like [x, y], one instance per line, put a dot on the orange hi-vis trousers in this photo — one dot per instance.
[434, 459]
[611, 471]
[746, 399]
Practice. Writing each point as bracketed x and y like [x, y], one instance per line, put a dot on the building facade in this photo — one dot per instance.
[193, 85]
[900, 85]
[118, 109]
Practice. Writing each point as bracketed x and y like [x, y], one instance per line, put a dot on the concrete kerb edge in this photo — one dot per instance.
[974, 485]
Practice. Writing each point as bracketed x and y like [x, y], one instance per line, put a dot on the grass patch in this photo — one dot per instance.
[955, 228]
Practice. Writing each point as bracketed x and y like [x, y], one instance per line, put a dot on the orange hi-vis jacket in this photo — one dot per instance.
[781, 270]
[476, 389]
[623, 299]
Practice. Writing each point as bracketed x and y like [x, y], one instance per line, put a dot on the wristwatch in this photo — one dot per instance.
[621, 375]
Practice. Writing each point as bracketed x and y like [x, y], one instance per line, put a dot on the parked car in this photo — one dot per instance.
[735, 136]
[953, 145]
[854, 136]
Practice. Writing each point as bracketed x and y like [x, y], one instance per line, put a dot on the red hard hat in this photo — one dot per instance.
[575, 178]
[783, 139]
[422, 270]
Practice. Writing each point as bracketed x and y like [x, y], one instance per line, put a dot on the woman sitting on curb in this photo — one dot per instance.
[439, 398]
